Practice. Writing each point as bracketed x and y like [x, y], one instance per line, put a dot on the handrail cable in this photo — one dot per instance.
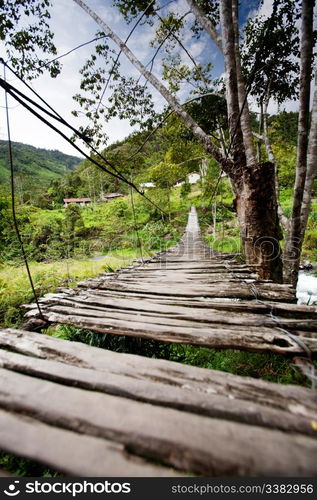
[14, 217]
[13, 92]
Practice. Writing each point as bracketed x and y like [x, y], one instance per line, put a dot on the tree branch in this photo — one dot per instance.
[258, 136]
[186, 52]
[242, 93]
[205, 23]
[182, 113]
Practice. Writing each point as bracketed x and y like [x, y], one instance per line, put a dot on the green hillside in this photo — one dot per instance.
[34, 165]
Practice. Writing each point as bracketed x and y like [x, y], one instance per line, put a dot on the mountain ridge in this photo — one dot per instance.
[35, 165]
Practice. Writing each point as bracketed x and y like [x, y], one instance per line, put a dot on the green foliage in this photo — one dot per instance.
[209, 112]
[34, 169]
[185, 189]
[22, 467]
[47, 276]
[165, 174]
[24, 29]
[271, 367]
[272, 44]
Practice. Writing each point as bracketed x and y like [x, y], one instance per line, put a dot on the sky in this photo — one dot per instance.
[72, 26]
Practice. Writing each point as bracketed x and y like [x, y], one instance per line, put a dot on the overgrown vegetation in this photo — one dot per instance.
[22, 467]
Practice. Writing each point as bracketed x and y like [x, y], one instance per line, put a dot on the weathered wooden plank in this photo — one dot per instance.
[111, 307]
[286, 397]
[5, 473]
[165, 389]
[71, 453]
[79, 354]
[241, 290]
[203, 445]
[253, 339]
[152, 317]
[238, 306]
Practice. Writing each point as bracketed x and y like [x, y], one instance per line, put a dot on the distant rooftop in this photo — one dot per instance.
[112, 195]
[77, 200]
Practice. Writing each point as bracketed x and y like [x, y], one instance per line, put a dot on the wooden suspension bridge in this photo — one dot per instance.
[91, 412]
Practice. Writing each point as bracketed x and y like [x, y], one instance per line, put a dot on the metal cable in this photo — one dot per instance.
[14, 217]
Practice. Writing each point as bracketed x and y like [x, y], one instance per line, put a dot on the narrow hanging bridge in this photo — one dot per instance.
[86, 411]
[189, 295]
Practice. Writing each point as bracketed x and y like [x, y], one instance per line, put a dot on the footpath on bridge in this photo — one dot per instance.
[189, 295]
[86, 411]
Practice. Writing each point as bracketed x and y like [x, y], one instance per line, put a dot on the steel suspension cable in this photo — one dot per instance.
[14, 216]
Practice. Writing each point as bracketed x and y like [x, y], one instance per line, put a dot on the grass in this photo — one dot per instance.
[15, 288]
[21, 467]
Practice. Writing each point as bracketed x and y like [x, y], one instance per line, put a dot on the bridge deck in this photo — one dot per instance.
[91, 412]
[189, 295]
[86, 411]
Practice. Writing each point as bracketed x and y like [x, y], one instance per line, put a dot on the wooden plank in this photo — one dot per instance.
[193, 319]
[291, 399]
[163, 388]
[72, 453]
[111, 307]
[202, 445]
[5, 473]
[143, 302]
[241, 290]
[255, 339]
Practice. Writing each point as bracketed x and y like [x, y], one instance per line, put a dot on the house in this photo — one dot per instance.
[147, 185]
[78, 201]
[191, 179]
[111, 196]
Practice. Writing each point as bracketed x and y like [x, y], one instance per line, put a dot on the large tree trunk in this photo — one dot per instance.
[311, 164]
[259, 225]
[245, 120]
[228, 47]
[294, 235]
[256, 202]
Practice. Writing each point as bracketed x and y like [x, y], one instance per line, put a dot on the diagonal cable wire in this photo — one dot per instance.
[120, 52]
[18, 96]
[14, 217]
[72, 50]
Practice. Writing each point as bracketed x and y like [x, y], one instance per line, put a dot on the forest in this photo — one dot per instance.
[251, 150]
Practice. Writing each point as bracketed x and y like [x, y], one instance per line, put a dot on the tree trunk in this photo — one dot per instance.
[257, 213]
[311, 164]
[293, 243]
[245, 120]
[256, 202]
[228, 47]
